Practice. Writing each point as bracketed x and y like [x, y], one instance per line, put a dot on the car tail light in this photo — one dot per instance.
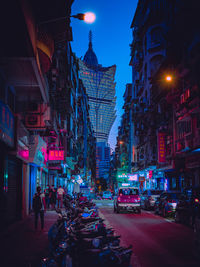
[196, 200]
[138, 199]
[119, 199]
[171, 201]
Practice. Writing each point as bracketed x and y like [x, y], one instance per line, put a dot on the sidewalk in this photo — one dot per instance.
[21, 245]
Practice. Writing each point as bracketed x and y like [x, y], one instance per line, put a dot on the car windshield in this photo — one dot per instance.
[128, 191]
[174, 195]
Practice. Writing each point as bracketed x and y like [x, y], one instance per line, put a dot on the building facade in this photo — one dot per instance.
[164, 121]
[100, 88]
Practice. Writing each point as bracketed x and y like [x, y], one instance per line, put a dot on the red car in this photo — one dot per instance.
[127, 199]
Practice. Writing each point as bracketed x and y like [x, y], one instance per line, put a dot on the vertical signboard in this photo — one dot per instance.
[161, 147]
[6, 125]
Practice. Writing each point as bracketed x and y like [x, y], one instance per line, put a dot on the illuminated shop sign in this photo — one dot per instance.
[56, 155]
[125, 184]
[38, 150]
[133, 177]
[6, 125]
[123, 175]
[161, 147]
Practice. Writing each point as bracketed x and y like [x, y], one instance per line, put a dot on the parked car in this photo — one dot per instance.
[187, 206]
[107, 195]
[149, 197]
[166, 203]
[127, 199]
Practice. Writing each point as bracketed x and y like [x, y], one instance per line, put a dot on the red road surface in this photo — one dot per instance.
[156, 242]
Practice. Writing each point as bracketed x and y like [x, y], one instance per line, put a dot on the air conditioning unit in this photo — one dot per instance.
[38, 120]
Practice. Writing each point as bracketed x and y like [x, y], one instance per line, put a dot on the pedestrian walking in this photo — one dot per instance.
[39, 207]
[47, 197]
[53, 197]
[60, 194]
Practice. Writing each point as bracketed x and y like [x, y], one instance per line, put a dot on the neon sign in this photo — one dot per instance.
[56, 155]
[161, 147]
[133, 177]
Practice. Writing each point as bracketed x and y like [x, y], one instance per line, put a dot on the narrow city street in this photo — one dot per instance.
[156, 241]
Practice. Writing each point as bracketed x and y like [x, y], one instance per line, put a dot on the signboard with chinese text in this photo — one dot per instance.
[6, 125]
[133, 177]
[37, 150]
[161, 148]
[22, 141]
[56, 154]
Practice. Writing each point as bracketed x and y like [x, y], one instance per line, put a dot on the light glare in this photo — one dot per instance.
[89, 17]
[168, 78]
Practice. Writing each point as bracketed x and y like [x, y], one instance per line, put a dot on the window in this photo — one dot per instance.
[128, 191]
[156, 36]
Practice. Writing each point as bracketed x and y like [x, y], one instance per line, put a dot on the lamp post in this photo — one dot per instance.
[88, 17]
[170, 79]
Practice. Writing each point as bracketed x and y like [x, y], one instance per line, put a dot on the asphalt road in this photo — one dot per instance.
[156, 241]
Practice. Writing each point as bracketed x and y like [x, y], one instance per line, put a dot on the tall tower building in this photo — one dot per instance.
[100, 87]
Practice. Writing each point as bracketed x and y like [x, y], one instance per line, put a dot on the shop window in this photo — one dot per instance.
[173, 183]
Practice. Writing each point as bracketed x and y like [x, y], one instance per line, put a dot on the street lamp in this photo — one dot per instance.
[168, 78]
[88, 17]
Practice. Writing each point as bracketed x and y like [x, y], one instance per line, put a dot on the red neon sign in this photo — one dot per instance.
[56, 155]
[161, 147]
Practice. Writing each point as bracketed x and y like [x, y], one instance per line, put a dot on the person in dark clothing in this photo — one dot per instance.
[53, 197]
[47, 198]
[39, 207]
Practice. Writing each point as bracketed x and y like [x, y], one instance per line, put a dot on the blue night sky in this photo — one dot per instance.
[111, 39]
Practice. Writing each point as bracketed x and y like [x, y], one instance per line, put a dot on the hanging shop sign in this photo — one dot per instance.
[141, 179]
[161, 147]
[22, 141]
[6, 125]
[56, 154]
[150, 174]
[133, 177]
[38, 150]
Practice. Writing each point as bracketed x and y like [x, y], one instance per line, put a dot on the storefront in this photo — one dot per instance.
[22, 153]
[37, 162]
[10, 169]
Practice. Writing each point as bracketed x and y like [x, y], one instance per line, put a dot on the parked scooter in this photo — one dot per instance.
[80, 238]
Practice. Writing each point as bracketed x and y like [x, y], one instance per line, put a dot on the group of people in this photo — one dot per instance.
[53, 196]
[46, 200]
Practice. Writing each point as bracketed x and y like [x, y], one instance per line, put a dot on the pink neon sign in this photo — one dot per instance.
[24, 154]
[56, 154]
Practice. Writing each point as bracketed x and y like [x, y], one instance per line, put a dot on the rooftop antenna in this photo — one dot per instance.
[90, 39]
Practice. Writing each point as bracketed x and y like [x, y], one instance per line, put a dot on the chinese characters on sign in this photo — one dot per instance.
[161, 147]
[6, 125]
[56, 155]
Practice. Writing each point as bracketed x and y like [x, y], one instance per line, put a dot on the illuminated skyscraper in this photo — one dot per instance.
[100, 87]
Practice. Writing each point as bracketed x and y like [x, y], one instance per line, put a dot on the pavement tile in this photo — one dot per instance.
[21, 245]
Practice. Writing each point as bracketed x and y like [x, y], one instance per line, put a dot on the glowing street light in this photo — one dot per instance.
[168, 78]
[89, 17]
